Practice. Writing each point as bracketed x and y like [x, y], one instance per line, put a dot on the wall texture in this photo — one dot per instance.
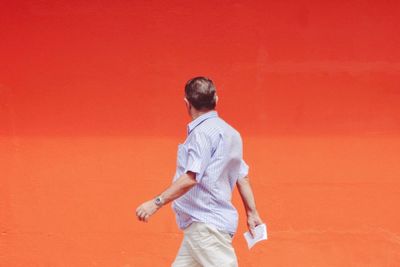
[91, 113]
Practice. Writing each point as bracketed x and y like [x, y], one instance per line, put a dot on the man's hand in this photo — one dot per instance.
[246, 193]
[177, 189]
[144, 211]
[253, 219]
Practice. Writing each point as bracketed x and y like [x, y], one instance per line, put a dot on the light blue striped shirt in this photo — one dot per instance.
[212, 150]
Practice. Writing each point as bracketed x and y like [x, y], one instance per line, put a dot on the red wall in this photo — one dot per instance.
[91, 112]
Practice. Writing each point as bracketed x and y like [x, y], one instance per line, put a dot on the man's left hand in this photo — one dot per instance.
[144, 211]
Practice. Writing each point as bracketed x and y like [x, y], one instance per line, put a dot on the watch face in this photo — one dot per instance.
[158, 201]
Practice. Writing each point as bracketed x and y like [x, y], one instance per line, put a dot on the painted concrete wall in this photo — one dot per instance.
[91, 113]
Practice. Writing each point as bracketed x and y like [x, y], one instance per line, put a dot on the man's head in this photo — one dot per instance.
[201, 94]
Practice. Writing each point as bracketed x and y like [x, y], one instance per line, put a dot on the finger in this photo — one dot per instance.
[252, 232]
[139, 209]
[250, 225]
[141, 215]
[146, 218]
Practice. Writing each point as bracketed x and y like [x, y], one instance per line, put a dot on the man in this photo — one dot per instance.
[209, 165]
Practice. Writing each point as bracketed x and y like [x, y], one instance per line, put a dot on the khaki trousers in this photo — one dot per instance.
[204, 246]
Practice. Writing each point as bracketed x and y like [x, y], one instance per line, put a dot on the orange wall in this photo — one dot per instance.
[91, 113]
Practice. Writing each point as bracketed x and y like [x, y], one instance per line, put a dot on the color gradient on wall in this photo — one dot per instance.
[91, 112]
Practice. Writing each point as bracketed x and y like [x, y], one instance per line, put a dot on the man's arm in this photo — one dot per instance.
[246, 193]
[177, 189]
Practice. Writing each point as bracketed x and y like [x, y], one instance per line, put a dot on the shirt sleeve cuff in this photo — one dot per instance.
[244, 170]
[196, 168]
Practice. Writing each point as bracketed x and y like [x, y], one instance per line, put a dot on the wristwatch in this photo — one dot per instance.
[159, 201]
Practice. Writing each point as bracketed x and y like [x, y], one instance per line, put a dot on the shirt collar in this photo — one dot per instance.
[194, 123]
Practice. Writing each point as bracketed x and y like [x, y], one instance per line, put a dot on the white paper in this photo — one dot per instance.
[260, 234]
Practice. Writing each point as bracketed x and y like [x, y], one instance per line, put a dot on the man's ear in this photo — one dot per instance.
[216, 99]
[188, 105]
[186, 101]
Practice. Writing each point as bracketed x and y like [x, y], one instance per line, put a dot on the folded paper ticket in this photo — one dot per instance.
[260, 234]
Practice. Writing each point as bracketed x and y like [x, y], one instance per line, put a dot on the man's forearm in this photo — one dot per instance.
[246, 194]
[179, 187]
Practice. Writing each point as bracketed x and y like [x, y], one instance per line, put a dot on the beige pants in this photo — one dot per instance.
[204, 246]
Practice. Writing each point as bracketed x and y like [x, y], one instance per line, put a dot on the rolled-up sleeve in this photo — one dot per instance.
[199, 151]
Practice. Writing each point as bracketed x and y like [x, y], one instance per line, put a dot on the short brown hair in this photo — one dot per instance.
[201, 93]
